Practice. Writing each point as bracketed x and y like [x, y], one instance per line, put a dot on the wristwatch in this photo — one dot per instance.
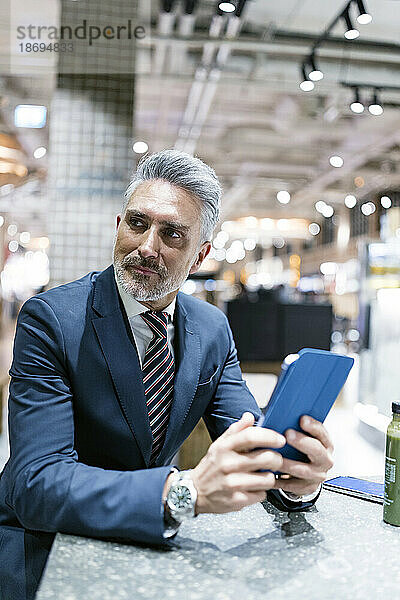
[181, 497]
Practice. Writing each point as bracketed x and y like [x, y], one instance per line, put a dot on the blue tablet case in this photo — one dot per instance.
[308, 385]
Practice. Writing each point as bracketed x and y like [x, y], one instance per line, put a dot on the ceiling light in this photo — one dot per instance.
[39, 152]
[328, 211]
[278, 242]
[25, 237]
[368, 208]
[140, 147]
[357, 106]
[189, 287]
[251, 222]
[231, 256]
[12, 229]
[336, 161]
[320, 206]
[364, 17]
[350, 201]
[375, 108]
[30, 115]
[227, 7]
[237, 245]
[314, 228]
[306, 85]
[351, 33]
[218, 243]
[315, 74]
[220, 254]
[223, 236]
[13, 246]
[328, 268]
[210, 285]
[283, 197]
[250, 244]
[386, 202]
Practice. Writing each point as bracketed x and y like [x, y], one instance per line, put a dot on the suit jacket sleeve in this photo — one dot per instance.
[231, 397]
[50, 489]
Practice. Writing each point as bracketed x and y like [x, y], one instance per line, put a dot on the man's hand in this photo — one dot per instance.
[305, 477]
[226, 478]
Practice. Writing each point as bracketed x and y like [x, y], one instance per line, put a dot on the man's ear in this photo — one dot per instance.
[118, 220]
[203, 252]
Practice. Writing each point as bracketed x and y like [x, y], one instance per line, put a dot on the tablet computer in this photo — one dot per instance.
[309, 384]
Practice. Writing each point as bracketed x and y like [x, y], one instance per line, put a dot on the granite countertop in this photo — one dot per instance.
[339, 549]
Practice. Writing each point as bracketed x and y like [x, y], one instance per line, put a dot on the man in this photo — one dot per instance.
[112, 372]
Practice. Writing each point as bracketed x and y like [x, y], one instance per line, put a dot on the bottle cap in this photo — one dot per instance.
[396, 407]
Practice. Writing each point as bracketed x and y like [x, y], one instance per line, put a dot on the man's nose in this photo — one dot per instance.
[149, 246]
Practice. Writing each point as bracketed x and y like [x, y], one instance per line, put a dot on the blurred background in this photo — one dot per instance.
[296, 105]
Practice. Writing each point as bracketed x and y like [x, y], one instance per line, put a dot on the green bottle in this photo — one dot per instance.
[391, 502]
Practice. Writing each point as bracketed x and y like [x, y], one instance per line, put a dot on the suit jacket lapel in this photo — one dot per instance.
[122, 359]
[187, 374]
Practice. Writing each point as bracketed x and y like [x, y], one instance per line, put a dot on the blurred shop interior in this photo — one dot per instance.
[296, 104]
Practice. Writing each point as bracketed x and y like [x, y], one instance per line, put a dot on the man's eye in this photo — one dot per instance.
[136, 223]
[173, 234]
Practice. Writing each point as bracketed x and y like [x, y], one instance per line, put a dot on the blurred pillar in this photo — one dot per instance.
[90, 146]
[343, 229]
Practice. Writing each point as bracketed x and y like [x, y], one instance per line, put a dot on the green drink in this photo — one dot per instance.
[391, 503]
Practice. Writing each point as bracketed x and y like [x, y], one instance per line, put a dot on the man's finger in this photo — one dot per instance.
[246, 420]
[249, 482]
[317, 430]
[301, 470]
[248, 462]
[300, 487]
[312, 447]
[255, 437]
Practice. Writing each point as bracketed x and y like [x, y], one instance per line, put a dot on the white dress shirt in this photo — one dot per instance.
[141, 332]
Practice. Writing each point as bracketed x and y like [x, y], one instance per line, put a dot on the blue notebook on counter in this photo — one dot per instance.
[309, 384]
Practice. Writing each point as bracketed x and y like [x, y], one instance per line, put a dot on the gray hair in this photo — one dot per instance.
[187, 172]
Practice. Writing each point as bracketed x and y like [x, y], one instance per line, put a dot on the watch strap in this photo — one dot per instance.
[284, 503]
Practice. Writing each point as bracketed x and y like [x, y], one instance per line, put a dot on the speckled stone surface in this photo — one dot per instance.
[341, 549]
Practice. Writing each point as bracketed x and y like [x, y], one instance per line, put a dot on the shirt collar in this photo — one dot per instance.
[134, 308]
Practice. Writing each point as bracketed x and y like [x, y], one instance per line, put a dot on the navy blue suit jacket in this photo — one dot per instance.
[79, 430]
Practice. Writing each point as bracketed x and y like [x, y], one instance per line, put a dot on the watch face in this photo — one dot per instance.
[180, 497]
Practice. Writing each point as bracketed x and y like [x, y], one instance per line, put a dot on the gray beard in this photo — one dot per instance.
[137, 285]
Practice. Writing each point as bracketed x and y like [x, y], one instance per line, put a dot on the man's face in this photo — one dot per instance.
[157, 244]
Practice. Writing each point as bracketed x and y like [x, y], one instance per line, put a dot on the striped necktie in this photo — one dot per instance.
[158, 379]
